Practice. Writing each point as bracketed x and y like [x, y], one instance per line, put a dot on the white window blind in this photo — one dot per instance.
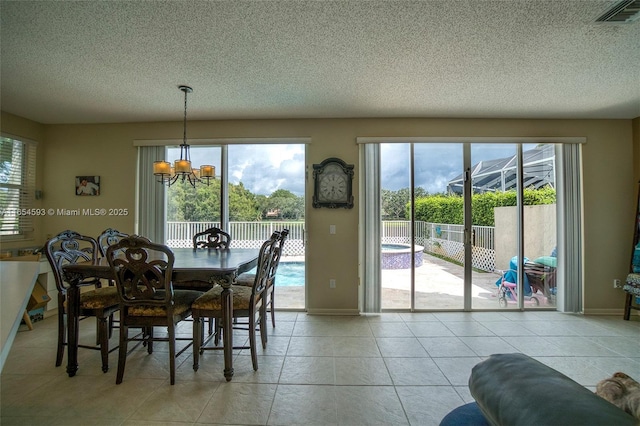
[17, 187]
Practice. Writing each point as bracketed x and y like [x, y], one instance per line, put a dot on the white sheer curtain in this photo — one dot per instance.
[570, 229]
[150, 195]
[370, 253]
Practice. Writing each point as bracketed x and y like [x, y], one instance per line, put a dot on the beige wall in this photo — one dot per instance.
[610, 176]
[540, 232]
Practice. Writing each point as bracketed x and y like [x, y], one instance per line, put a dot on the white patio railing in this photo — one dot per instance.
[443, 239]
[243, 234]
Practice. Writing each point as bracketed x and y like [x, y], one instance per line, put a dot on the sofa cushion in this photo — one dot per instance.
[465, 415]
[514, 389]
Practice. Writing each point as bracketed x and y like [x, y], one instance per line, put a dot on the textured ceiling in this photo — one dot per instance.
[121, 61]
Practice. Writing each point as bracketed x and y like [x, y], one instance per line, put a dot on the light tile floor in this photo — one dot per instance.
[392, 369]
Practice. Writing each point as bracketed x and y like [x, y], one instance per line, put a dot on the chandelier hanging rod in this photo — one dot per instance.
[182, 169]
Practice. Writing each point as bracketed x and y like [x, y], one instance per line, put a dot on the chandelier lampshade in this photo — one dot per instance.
[182, 169]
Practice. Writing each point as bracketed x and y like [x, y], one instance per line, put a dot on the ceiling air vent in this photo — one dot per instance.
[625, 11]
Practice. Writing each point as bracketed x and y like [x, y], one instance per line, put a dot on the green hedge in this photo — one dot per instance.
[449, 208]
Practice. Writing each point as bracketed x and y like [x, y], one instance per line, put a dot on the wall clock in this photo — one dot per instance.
[333, 184]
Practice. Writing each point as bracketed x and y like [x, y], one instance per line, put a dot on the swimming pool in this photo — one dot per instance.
[398, 256]
[289, 274]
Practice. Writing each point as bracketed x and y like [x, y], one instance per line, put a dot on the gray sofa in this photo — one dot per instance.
[515, 390]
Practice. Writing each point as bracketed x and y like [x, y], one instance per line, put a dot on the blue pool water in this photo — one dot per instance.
[392, 247]
[289, 274]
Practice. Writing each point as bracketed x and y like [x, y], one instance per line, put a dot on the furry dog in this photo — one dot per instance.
[622, 391]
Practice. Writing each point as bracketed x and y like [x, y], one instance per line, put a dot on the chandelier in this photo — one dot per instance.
[181, 170]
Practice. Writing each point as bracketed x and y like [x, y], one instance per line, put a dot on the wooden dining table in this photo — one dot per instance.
[220, 266]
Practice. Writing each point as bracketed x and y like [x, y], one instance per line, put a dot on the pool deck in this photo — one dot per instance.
[439, 286]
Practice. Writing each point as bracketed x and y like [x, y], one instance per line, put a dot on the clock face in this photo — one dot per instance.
[333, 184]
[333, 187]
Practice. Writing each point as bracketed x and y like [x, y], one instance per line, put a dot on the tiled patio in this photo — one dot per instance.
[439, 287]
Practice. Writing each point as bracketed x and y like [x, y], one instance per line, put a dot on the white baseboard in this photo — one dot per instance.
[610, 312]
[333, 312]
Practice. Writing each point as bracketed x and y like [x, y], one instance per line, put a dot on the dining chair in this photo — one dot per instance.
[70, 247]
[248, 302]
[247, 279]
[142, 272]
[109, 237]
[212, 238]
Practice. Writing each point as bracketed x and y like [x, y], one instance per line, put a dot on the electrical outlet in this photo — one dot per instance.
[332, 283]
[617, 283]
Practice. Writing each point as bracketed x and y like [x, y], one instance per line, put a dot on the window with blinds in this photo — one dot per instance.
[17, 187]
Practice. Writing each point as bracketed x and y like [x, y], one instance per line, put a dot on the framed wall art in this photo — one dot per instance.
[87, 185]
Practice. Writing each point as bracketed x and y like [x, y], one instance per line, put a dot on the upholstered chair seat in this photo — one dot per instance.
[212, 299]
[245, 279]
[182, 301]
[99, 298]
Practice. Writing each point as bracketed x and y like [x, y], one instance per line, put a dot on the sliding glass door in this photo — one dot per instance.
[259, 188]
[266, 193]
[439, 231]
[466, 225]
[494, 236]
[395, 240]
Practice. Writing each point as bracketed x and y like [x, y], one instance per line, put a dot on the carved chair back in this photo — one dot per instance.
[265, 272]
[69, 247]
[276, 254]
[212, 238]
[280, 245]
[142, 271]
[108, 238]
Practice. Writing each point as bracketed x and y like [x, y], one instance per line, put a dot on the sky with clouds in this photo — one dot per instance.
[262, 169]
[265, 168]
[435, 163]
